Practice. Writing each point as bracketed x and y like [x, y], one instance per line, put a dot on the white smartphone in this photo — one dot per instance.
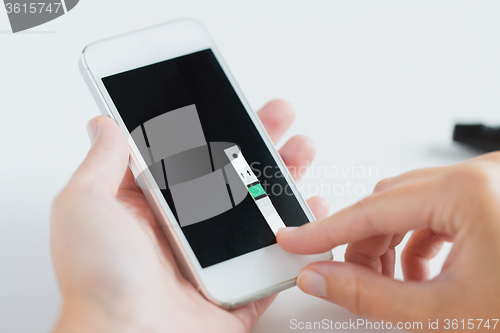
[202, 158]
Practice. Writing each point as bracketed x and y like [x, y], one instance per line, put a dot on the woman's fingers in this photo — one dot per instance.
[377, 253]
[422, 246]
[107, 160]
[388, 259]
[367, 293]
[276, 116]
[407, 177]
[389, 212]
[298, 153]
[367, 252]
[319, 207]
[251, 313]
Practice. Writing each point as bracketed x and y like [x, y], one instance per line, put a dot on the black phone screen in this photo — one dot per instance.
[206, 155]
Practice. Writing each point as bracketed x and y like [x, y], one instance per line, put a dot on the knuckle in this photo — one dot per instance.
[357, 302]
[56, 204]
[382, 185]
[406, 254]
[61, 200]
[477, 176]
[367, 220]
[330, 234]
[493, 156]
[83, 186]
[74, 193]
[475, 190]
[60, 205]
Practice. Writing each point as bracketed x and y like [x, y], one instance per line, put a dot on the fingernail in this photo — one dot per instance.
[92, 128]
[286, 230]
[312, 283]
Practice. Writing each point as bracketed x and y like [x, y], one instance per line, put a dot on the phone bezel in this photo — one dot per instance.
[233, 282]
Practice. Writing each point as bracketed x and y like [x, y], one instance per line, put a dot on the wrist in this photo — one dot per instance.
[83, 316]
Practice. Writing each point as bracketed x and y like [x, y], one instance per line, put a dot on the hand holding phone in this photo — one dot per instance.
[113, 262]
[202, 158]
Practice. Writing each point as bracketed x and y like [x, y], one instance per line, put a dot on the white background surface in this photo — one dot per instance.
[374, 83]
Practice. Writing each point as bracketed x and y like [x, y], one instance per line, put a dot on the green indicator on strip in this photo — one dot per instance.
[256, 190]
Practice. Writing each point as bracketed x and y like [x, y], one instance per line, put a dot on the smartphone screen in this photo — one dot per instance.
[206, 155]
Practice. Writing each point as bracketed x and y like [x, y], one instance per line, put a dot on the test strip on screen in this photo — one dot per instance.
[255, 188]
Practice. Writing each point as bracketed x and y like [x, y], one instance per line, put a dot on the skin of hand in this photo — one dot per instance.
[113, 263]
[459, 204]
